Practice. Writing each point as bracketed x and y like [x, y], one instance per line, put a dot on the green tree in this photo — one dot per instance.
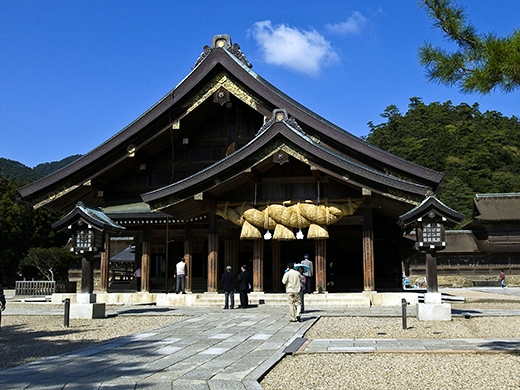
[22, 227]
[479, 152]
[482, 63]
[51, 263]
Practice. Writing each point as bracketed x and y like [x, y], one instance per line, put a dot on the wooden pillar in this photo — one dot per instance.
[431, 273]
[145, 267]
[188, 257]
[320, 269]
[368, 251]
[212, 253]
[105, 265]
[212, 262]
[276, 266]
[87, 276]
[258, 265]
[231, 255]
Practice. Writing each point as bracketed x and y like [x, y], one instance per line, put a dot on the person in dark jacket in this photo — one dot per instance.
[2, 302]
[244, 286]
[228, 280]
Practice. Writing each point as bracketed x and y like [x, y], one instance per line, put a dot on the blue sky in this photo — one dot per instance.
[74, 73]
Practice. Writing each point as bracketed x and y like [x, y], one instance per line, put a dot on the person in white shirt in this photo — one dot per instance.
[180, 273]
[137, 276]
[292, 281]
[308, 274]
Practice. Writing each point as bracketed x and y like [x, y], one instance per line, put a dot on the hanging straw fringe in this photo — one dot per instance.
[283, 234]
[249, 232]
[317, 232]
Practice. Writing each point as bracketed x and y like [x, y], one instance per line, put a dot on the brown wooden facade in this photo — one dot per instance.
[225, 147]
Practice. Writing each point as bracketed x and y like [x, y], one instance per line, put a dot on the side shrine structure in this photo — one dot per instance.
[228, 170]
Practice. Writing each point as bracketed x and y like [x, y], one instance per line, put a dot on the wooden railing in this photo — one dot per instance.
[35, 288]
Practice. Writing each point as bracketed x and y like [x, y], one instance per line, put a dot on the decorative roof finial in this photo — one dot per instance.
[223, 41]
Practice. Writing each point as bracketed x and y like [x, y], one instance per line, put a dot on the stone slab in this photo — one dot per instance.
[87, 310]
[434, 312]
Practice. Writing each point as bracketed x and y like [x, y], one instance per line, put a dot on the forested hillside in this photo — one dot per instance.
[479, 152]
[22, 174]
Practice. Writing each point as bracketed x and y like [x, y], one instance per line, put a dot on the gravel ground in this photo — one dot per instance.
[29, 338]
[384, 371]
[392, 327]
[395, 371]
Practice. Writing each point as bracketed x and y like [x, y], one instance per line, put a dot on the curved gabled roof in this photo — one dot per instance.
[91, 216]
[281, 134]
[228, 58]
[431, 203]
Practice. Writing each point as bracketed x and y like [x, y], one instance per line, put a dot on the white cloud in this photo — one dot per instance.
[299, 50]
[353, 24]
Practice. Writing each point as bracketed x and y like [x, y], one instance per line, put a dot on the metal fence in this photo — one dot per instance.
[35, 288]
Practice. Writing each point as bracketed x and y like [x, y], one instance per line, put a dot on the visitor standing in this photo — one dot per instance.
[308, 274]
[180, 273]
[302, 288]
[244, 286]
[228, 280]
[2, 302]
[137, 276]
[503, 279]
[292, 281]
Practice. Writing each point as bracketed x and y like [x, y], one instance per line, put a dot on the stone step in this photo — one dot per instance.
[363, 299]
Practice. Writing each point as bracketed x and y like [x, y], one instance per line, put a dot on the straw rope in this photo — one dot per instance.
[282, 219]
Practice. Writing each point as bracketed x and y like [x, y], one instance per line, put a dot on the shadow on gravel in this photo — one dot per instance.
[20, 346]
[145, 310]
[461, 312]
[512, 347]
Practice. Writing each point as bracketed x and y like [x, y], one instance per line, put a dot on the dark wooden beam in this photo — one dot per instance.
[253, 175]
[316, 173]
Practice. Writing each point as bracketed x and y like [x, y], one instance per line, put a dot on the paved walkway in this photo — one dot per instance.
[215, 349]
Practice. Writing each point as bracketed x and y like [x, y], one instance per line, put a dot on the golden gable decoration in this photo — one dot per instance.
[282, 219]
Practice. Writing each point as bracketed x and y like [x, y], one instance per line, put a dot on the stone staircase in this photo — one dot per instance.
[362, 299]
[280, 299]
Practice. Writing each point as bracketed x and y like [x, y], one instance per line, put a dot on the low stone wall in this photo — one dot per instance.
[471, 280]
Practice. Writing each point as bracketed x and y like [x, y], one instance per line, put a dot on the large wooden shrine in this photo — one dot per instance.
[228, 170]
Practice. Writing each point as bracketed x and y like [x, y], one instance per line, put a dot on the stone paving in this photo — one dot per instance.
[217, 349]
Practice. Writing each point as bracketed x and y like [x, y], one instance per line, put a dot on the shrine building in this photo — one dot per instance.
[228, 170]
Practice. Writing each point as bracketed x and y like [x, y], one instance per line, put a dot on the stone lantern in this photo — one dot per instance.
[88, 227]
[429, 220]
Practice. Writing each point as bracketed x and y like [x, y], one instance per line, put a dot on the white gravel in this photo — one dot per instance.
[395, 371]
[384, 371]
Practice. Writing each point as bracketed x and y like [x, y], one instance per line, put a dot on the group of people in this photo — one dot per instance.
[244, 287]
[297, 283]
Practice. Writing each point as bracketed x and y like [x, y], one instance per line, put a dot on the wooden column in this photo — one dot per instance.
[320, 262]
[431, 273]
[145, 267]
[188, 257]
[105, 265]
[276, 266]
[212, 253]
[368, 251]
[231, 255]
[258, 265]
[87, 276]
[212, 262]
